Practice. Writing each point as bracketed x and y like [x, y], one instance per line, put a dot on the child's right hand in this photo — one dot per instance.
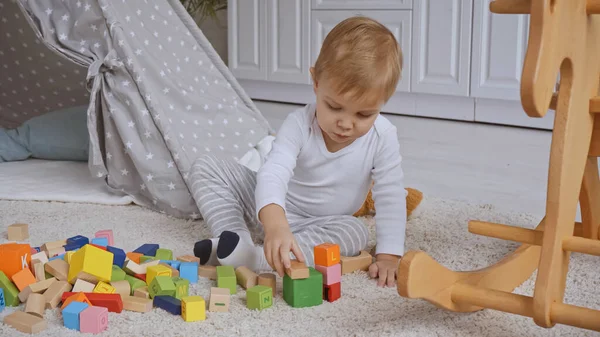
[279, 241]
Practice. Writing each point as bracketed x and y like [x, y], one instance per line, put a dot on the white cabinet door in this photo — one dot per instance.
[362, 4]
[442, 46]
[499, 47]
[288, 36]
[398, 22]
[247, 39]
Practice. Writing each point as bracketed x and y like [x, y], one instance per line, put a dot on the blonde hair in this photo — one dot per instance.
[360, 55]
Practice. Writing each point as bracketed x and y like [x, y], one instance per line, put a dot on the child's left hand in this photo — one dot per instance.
[386, 268]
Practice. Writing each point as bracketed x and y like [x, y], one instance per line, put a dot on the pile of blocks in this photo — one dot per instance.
[86, 279]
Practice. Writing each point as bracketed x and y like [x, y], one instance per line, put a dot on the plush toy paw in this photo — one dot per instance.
[413, 199]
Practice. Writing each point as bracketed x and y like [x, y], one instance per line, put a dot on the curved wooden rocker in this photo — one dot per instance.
[564, 37]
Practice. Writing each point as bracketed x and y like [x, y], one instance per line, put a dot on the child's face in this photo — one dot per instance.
[344, 118]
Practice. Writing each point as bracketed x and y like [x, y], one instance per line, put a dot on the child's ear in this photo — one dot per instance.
[312, 75]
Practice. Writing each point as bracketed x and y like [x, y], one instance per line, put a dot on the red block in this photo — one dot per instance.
[332, 292]
[95, 245]
[112, 302]
[140, 276]
[15, 257]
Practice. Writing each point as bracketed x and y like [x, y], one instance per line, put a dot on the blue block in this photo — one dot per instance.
[61, 256]
[71, 314]
[189, 271]
[78, 240]
[148, 249]
[168, 303]
[2, 300]
[176, 264]
[71, 246]
[37, 249]
[118, 255]
[100, 241]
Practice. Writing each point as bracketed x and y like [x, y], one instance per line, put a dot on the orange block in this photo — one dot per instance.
[23, 278]
[15, 257]
[79, 297]
[135, 257]
[327, 254]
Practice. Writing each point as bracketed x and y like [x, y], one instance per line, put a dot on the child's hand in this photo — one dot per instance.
[279, 241]
[386, 268]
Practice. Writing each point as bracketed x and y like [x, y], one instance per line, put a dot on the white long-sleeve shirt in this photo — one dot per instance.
[301, 171]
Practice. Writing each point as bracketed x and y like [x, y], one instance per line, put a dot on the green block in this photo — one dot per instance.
[226, 278]
[145, 258]
[259, 297]
[118, 274]
[164, 254]
[11, 293]
[134, 282]
[182, 287]
[162, 286]
[304, 292]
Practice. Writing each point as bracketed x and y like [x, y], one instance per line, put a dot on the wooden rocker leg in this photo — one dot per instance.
[590, 199]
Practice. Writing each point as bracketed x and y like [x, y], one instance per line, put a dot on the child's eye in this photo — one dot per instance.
[333, 108]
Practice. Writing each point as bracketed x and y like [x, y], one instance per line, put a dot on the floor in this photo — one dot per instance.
[480, 163]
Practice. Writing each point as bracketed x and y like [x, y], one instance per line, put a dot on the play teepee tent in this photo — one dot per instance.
[158, 95]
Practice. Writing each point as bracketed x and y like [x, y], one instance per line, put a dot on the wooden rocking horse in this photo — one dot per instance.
[564, 38]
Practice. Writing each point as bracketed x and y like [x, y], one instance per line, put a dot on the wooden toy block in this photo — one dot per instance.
[189, 271]
[41, 256]
[35, 250]
[15, 257]
[118, 255]
[71, 247]
[141, 292]
[71, 315]
[104, 288]
[209, 272]
[101, 247]
[332, 292]
[91, 261]
[38, 270]
[158, 270]
[219, 299]
[327, 254]
[99, 242]
[57, 268]
[69, 256]
[331, 274]
[76, 297]
[168, 303]
[131, 267]
[259, 297]
[174, 272]
[26, 323]
[162, 286]
[182, 287]
[83, 286]
[118, 274]
[93, 319]
[147, 249]
[188, 258]
[53, 252]
[11, 293]
[226, 278]
[147, 264]
[359, 262]
[164, 254]
[52, 245]
[298, 270]
[145, 258]
[246, 277]
[56, 257]
[23, 278]
[193, 308]
[112, 302]
[53, 295]
[141, 277]
[78, 240]
[137, 304]
[18, 232]
[36, 305]
[108, 234]
[268, 280]
[300, 293]
[135, 283]
[35, 288]
[121, 287]
[2, 300]
[135, 257]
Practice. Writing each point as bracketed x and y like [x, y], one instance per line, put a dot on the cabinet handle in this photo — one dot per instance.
[510, 6]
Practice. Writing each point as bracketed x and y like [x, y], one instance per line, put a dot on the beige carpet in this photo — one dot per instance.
[438, 227]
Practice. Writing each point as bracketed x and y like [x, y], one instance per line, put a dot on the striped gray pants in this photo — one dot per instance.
[224, 193]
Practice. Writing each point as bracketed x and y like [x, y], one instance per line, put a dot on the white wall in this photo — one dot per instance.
[216, 33]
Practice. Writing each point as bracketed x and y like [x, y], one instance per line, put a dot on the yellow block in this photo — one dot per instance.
[69, 256]
[93, 262]
[104, 288]
[158, 270]
[193, 308]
